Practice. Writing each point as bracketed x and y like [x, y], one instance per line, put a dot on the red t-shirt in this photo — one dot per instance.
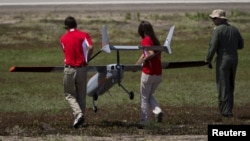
[152, 66]
[75, 46]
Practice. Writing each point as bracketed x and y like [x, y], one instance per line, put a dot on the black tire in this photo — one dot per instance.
[131, 95]
[95, 109]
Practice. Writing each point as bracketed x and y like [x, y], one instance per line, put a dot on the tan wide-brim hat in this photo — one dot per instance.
[218, 13]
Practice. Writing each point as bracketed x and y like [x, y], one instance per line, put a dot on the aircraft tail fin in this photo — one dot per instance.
[105, 43]
[105, 40]
[169, 38]
[107, 48]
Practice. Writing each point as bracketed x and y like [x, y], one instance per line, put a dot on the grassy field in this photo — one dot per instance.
[188, 96]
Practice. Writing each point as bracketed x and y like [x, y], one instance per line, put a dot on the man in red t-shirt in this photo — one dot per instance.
[77, 49]
[151, 75]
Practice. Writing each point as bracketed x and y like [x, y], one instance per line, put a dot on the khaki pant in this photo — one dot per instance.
[75, 83]
[149, 83]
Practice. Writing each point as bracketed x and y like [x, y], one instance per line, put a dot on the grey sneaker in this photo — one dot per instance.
[78, 120]
[158, 117]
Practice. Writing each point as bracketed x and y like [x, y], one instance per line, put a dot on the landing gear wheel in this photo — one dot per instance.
[95, 109]
[131, 95]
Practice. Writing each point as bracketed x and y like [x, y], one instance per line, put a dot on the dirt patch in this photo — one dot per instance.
[180, 123]
[113, 138]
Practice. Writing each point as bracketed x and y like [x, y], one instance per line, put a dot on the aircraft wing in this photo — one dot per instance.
[168, 65]
[132, 67]
[119, 47]
[97, 68]
[101, 68]
[51, 69]
[185, 64]
[157, 48]
[36, 69]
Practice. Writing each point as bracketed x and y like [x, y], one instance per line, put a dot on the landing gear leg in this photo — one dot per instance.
[131, 94]
[95, 97]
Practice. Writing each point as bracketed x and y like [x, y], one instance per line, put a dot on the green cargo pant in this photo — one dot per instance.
[225, 78]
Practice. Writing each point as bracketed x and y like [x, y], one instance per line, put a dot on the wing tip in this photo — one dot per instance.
[12, 69]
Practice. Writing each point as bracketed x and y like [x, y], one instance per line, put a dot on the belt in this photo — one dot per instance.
[69, 66]
[152, 74]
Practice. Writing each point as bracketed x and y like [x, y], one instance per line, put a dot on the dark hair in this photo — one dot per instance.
[145, 28]
[70, 22]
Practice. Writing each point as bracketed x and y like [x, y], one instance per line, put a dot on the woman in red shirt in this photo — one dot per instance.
[151, 75]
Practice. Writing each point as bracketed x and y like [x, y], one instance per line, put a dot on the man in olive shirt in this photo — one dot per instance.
[225, 42]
